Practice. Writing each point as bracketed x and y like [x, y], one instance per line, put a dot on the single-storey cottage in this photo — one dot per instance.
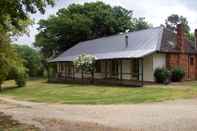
[130, 58]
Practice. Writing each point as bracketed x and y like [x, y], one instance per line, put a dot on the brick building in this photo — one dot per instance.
[130, 57]
[183, 54]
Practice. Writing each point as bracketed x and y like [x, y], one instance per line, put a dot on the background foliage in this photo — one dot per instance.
[14, 19]
[78, 23]
[173, 20]
[11, 65]
[33, 60]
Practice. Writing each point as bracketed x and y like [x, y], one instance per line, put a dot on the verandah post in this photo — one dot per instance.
[121, 70]
[141, 71]
[73, 71]
[105, 68]
[65, 71]
[82, 74]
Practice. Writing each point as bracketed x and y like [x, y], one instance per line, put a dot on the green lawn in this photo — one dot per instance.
[40, 91]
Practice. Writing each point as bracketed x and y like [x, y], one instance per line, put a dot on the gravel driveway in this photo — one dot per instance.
[178, 115]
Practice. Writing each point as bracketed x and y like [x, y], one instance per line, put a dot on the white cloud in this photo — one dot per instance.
[155, 11]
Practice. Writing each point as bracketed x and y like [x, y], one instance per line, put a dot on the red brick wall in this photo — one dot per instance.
[183, 60]
[192, 68]
[172, 60]
[184, 63]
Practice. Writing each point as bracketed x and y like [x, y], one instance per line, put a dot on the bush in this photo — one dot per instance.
[177, 74]
[162, 75]
[19, 75]
[21, 79]
[85, 63]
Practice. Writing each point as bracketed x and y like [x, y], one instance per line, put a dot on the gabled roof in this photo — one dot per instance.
[140, 44]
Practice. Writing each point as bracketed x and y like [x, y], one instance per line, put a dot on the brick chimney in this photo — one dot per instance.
[195, 34]
[180, 37]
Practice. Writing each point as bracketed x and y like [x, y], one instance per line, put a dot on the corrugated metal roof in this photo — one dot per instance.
[140, 43]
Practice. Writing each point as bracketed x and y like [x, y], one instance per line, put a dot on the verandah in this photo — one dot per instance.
[106, 71]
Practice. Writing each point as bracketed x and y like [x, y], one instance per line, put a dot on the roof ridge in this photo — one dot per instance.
[120, 34]
[161, 33]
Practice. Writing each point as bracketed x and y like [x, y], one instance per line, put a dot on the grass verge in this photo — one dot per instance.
[40, 91]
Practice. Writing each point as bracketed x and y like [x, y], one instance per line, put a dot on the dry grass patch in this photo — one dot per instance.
[8, 124]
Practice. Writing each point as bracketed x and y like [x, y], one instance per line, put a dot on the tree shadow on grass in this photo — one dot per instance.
[96, 85]
[9, 88]
[37, 78]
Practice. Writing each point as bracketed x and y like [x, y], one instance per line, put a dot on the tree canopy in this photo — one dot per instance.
[173, 20]
[11, 65]
[14, 19]
[84, 22]
[14, 14]
[32, 59]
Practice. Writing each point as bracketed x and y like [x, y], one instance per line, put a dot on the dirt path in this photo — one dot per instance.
[166, 116]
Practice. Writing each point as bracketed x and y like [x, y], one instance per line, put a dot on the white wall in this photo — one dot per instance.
[159, 61]
[151, 62]
[148, 68]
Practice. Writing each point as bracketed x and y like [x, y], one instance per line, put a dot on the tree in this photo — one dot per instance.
[32, 59]
[13, 13]
[4, 62]
[14, 18]
[191, 36]
[173, 20]
[140, 23]
[10, 62]
[83, 22]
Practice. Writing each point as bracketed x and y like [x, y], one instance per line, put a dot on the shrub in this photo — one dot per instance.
[162, 75]
[19, 75]
[177, 74]
[21, 79]
[85, 63]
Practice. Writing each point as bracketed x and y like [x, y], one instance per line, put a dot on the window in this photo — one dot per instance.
[98, 66]
[191, 60]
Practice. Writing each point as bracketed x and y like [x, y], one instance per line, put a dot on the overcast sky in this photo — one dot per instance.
[155, 12]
